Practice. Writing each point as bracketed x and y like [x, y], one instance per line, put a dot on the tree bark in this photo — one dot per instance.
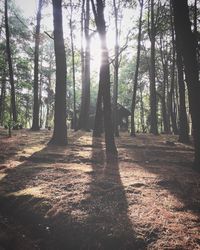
[10, 65]
[81, 117]
[164, 60]
[183, 122]
[153, 102]
[60, 127]
[186, 42]
[2, 97]
[142, 112]
[85, 99]
[104, 78]
[116, 71]
[135, 86]
[98, 122]
[36, 106]
[172, 87]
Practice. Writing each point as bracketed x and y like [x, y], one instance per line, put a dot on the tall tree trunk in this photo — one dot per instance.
[186, 42]
[142, 112]
[135, 86]
[87, 69]
[164, 60]
[104, 78]
[85, 99]
[60, 127]
[183, 121]
[81, 117]
[98, 121]
[27, 111]
[47, 100]
[153, 102]
[40, 92]
[172, 96]
[8, 50]
[40, 100]
[116, 71]
[35, 125]
[73, 68]
[2, 97]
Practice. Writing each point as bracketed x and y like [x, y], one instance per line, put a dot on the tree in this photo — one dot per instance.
[153, 101]
[85, 97]
[10, 65]
[60, 127]
[3, 95]
[116, 70]
[164, 55]
[35, 125]
[104, 77]
[73, 67]
[172, 90]
[135, 86]
[183, 122]
[186, 43]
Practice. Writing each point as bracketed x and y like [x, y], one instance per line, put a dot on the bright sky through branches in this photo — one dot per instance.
[29, 9]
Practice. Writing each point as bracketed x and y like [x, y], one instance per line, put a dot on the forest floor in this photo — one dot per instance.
[60, 198]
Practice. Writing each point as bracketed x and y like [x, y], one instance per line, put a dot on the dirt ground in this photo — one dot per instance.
[60, 198]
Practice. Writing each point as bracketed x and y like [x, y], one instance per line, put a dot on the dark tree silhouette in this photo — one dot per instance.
[73, 67]
[10, 65]
[35, 125]
[60, 127]
[116, 71]
[186, 43]
[2, 96]
[135, 86]
[172, 89]
[104, 77]
[85, 97]
[153, 102]
[183, 121]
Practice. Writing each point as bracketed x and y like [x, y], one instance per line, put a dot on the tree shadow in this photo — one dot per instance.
[108, 224]
[173, 166]
[68, 205]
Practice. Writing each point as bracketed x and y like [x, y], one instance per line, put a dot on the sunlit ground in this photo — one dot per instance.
[148, 199]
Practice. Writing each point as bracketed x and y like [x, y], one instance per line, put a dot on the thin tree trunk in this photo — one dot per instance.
[40, 92]
[116, 71]
[135, 86]
[186, 42]
[27, 111]
[85, 101]
[60, 127]
[2, 98]
[36, 106]
[40, 101]
[8, 50]
[164, 61]
[183, 122]
[81, 117]
[142, 112]
[73, 69]
[172, 96]
[47, 101]
[87, 69]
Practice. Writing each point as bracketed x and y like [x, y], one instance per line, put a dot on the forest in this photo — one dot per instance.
[99, 124]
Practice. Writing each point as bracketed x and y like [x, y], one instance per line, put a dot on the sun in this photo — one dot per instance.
[95, 53]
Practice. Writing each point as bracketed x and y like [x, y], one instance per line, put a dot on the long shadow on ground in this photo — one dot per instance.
[107, 206]
[172, 164]
[66, 205]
